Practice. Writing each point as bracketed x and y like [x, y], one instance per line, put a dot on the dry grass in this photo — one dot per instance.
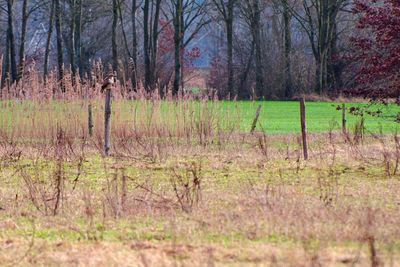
[246, 203]
[185, 186]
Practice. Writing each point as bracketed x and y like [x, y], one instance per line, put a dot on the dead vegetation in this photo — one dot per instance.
[186, 197]
[187, 185]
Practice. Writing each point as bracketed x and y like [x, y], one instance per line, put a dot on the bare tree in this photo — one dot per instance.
[226, 9]
[11, 53]
[134, 45]
[48, 40]
[132, 55]
[178, 19]
[188, 17]
[25, 17]
[72, 47]
[114, 35]
[60, 49]
[318, 18]
[253, 30]
[146, 44]
[251, 10]
[151, 16]
[78, 35]
[287, 48]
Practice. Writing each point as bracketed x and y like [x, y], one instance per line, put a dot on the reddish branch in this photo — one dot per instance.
[377, 49]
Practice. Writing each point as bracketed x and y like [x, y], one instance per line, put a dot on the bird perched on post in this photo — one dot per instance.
[108, 83]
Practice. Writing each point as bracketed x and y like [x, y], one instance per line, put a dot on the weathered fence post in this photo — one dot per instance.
[362, 126]
[303, 127]
[90, 119]
[344, 129]
[254, 125]
[107, 122]
[107, 86]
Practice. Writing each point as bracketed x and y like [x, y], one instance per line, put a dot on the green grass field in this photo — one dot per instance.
[283, 117]
[276, 117]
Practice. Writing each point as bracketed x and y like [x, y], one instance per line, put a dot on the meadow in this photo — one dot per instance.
[187, 184]
[277, 117]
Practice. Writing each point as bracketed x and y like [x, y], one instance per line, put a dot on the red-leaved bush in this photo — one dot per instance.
[377, 49]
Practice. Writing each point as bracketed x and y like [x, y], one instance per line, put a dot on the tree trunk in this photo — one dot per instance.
[6, 68]
[125, 39]
[327, 46]
[256, 30]
[60, 58]
[48, 42]
[287, 52]
[114, 36]
[72, 37]
[244, 94]
[182, 42]
[178, 25]
[11, 40]
[334, 67]
[134, 46]
[146, 44]
[150, 40]
[78, 33]
[23, 38]
[154, 43]
[229, 38]
[318, 74]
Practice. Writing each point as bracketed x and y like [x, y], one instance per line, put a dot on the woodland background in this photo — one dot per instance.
[249, 49]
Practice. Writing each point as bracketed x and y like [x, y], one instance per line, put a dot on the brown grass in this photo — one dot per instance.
[185, 186]
[251, 207]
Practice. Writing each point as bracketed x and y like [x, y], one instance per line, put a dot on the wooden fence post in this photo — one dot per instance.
[90, 119]
[344, 129]
[254, 125]
[303, 127]
[107, 121]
